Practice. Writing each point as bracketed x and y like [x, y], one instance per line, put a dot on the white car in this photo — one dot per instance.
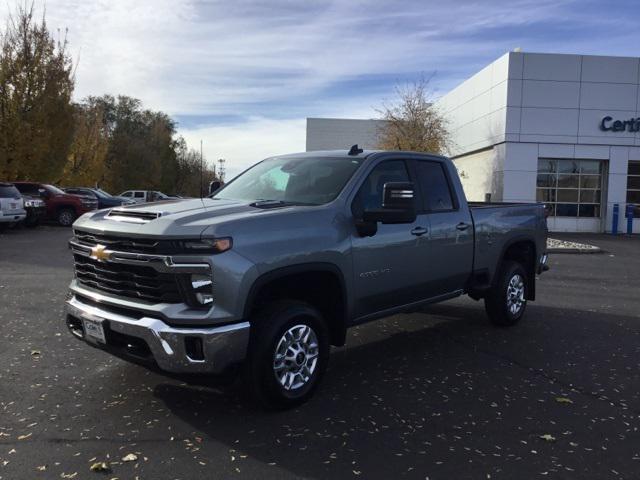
[11, 205]
[142, 196]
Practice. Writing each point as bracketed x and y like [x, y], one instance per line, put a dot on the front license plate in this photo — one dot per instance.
[94, 330]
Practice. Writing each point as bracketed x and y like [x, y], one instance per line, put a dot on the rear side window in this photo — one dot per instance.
[139, 194]
[9, 191]
[370, 194]
[436, 194]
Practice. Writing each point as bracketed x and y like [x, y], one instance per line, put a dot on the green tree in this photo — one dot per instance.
[36, 114]
[86, 160]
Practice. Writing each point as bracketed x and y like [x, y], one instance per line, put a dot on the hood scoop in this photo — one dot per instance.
[132, 216]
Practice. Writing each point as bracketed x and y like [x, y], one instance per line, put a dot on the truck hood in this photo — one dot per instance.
[174, 218]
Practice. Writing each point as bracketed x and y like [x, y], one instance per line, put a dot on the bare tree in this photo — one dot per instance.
[412, 122]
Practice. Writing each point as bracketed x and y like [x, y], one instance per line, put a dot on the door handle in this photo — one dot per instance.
[418, 231]
[462, 226]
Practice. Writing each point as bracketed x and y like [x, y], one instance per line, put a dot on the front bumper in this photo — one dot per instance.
[147, 339]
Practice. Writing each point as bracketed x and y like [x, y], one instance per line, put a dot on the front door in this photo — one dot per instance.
[389, 267]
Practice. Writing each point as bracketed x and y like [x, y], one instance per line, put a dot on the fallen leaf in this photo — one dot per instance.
[100, 467]
[563, 400]
[24, 437]
[132, 457]
[548, 438]
[41, 468]
[35, 353]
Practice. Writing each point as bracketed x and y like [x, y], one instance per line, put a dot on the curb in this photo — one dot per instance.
[576, 251]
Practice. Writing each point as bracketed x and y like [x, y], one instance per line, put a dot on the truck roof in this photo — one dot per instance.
[345, 154]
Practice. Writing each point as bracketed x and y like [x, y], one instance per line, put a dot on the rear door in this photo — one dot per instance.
[448, 247]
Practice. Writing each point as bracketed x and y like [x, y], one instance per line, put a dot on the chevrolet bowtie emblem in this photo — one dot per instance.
[100, 253]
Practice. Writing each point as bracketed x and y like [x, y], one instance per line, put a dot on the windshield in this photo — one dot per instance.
[55, 190]
[304, 180]
[9, 191]
[101, 193]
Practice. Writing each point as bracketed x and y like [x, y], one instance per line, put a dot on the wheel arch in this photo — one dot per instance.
[310, 282]
[521, 249]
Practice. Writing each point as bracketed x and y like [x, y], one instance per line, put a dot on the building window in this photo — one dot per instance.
[570, 188]
[633, 187]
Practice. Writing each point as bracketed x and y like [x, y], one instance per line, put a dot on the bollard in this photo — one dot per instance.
[630, 208]
[614, 226]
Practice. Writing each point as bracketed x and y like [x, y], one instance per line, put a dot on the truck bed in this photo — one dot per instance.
[498, 225]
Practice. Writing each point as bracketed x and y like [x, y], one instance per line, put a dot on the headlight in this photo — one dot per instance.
[208, 245]
[202, 287]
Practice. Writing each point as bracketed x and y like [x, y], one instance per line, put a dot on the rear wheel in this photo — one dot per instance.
[66, 217]
[288, 354]
[507, 301]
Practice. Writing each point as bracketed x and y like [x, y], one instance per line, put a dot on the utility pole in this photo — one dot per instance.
[201, 168]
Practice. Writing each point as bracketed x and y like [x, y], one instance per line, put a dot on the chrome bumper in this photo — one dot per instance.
[221, 346]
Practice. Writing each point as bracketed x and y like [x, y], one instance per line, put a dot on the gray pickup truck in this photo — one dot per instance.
[275, 266]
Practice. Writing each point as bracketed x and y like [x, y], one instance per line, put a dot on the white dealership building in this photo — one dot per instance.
[560, 129]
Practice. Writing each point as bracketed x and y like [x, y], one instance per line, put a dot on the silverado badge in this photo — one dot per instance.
[100, 253]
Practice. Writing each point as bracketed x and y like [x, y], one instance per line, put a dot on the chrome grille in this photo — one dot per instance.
[133, 281]
[120, 244]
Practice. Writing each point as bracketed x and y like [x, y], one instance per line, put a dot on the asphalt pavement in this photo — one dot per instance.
[439, 395]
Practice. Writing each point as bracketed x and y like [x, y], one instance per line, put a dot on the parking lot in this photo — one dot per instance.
[439, 394]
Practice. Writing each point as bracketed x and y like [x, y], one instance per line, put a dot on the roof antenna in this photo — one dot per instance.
[355, 150]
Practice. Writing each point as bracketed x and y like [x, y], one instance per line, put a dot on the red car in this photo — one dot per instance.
[61, 207]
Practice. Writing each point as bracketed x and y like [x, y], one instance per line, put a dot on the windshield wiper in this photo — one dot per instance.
[275, 203]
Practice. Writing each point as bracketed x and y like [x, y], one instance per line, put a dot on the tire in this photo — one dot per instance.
[277, 380]
[66, 217]
[506, 302]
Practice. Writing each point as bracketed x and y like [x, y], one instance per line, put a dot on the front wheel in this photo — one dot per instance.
[288, 354]
[506, 302]
[66, 217]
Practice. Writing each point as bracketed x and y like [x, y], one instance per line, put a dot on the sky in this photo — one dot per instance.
[243, 75]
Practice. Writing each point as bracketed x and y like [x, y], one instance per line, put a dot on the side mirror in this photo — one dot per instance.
[398, 205]
[43, 193]
[214, 186]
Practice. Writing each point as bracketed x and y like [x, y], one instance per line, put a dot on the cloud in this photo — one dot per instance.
[249, 142]
[268, 65]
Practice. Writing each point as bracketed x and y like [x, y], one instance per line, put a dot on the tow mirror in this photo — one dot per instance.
[398, 205]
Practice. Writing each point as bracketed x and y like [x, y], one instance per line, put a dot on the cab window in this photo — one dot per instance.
[370, 194]
[434, 186]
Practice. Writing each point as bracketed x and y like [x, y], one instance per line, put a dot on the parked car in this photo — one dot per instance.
[60, 206]
[104, 199]
[144, 196]
[12, 209]
[36, 211]
[301, 248]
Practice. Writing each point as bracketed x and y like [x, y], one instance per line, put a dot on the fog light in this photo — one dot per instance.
[204, 298]
[202, 286]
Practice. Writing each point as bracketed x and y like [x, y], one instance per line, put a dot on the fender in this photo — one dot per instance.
[282, 272]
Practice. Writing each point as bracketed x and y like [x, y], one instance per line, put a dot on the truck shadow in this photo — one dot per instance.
[396, 398]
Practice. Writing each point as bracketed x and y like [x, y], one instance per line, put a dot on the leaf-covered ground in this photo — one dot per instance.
[436, 395]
